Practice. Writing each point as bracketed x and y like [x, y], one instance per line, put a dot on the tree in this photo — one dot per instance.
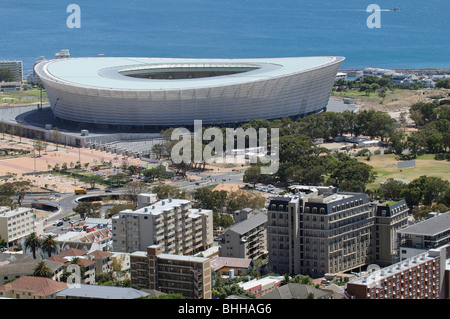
[133, 169]
[152, 172]
[169, 191]
[252, 175]
[3, 129]
[209, 199]
[56, 136]
[118, 208]
[39, 145]
[87, 209]
[42, 270]
[92, 180]
[6, 75]
[117, 178]
[392, 189]
[444, 83]
[15, 189]
[49, 244]
[159, 150]
[133, 189]
[242, 199]
[20, 129]
[32, 242]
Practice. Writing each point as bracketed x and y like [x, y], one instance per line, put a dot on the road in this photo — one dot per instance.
[65, 202]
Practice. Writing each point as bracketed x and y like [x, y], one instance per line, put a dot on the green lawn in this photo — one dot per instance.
[21, 97]
[385, 167]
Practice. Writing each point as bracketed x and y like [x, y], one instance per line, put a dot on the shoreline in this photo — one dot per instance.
[427, 71]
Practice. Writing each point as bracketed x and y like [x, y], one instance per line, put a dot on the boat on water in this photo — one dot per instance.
[396, 9]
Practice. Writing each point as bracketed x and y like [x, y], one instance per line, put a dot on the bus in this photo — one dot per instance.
[80, 191]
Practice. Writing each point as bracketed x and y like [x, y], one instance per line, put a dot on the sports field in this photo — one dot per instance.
[385, 167]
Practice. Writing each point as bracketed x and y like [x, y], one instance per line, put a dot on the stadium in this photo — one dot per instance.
[141, 92]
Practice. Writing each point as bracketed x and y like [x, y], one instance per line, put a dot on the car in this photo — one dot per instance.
[66, 219]
[59, 224]
[108, 190]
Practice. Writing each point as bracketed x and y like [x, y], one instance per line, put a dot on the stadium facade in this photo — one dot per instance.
[175, 92]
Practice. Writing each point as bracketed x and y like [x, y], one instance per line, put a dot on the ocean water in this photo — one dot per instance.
[415, 37]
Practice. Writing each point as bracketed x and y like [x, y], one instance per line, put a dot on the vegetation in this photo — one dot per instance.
[42, 270]
[88, 209]
[423, 194]
[224, 288]
[6, 75]
[220, 201]
[49, 244]
[32, 242]
[118, 208]
[12, 193]
[169, 191]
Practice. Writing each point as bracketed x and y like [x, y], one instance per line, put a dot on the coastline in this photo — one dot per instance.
[427, 71]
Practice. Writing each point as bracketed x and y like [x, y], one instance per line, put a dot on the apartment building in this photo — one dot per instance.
[433, 232]
[424, 276]
[16, 224]
[319, 231]
[16, 67]
[390, 217]
[171, 223]
[186, 275]
[246, 239]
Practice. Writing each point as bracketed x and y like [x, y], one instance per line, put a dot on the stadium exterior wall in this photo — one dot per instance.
[295, 94]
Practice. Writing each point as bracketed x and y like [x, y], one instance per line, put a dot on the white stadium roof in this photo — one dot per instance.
[106, 72]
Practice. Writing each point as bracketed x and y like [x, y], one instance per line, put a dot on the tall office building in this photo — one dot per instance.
[319, 231]
[171, 223]
[390, 217]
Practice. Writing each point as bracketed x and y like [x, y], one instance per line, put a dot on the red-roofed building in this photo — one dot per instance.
[89, 265]
[29, 287]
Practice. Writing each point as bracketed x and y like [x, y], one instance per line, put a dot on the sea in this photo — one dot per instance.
[414, 36]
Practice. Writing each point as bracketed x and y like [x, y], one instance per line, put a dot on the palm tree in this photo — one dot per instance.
[32, 242]
[42, 270]
[49, 244]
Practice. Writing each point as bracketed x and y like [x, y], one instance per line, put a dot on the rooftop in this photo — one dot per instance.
[111, 73]
[156, 208]
[248, 224]
[218, 263]
[430, 227]
[102, 292]
[38, 285]
[377, 275]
